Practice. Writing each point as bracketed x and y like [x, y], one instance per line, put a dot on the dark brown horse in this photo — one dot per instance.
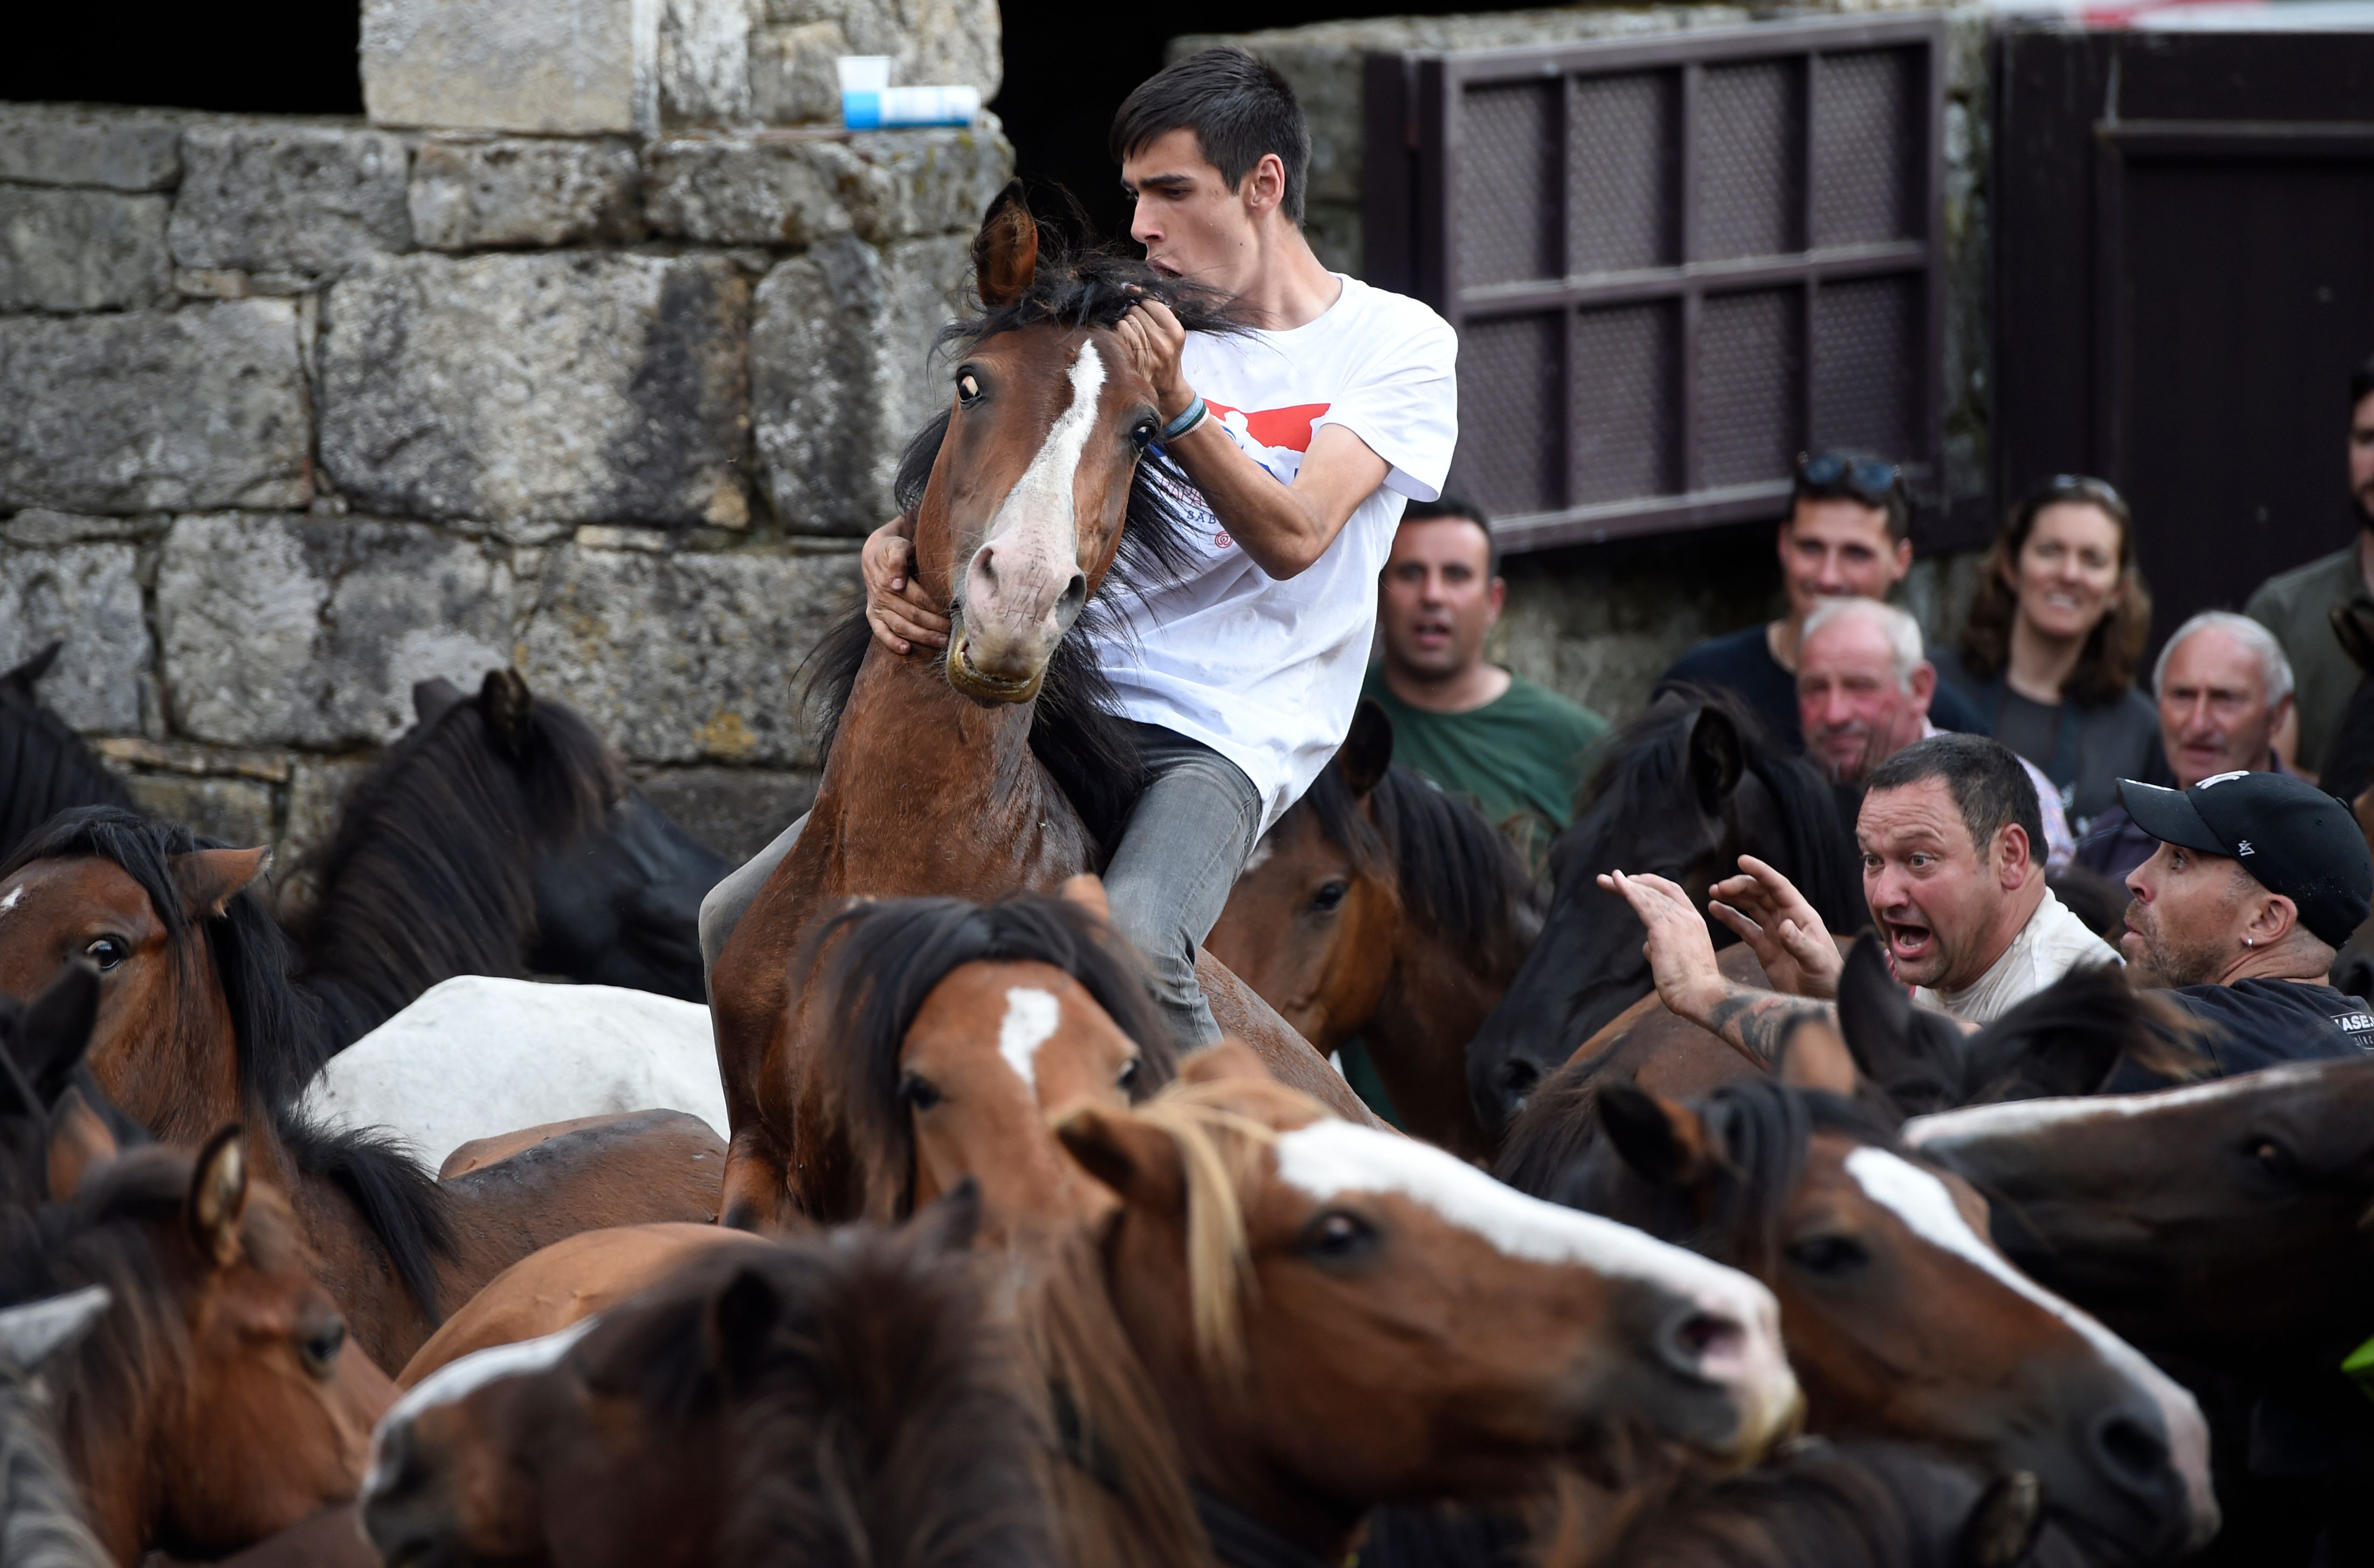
[1686, 788]
[499, 836]
[1381, 909]
[216, 1402]
[841, 1402]
[199, 1024]
[1301, 1295]
[44, 765]
[941, 777]
[1900, 1318]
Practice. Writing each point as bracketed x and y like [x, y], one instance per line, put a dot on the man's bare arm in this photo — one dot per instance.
[1285, 528]
[1757, 1021]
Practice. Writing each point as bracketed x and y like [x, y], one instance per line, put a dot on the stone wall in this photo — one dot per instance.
[297, 413]
[1599, 623]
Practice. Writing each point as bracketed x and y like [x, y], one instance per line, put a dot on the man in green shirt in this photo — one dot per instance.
[2297, 605]
[1469, 725]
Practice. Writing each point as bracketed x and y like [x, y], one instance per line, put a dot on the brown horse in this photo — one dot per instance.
[216, 1402]
[1300, 1298]
[1382, 908]
[849, 1400]
[937, 778]
[1901, 1320]
[198, 1025]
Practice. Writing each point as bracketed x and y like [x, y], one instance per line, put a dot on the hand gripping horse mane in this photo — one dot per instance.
[1002, 766]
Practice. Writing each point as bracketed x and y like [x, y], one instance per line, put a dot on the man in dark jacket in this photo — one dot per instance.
[2258, 879]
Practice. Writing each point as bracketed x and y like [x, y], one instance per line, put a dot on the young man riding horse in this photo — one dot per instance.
[1303, 435]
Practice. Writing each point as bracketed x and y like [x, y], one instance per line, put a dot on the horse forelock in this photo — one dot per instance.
[881, 960]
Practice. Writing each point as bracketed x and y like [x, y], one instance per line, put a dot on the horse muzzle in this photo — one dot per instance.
[991, 685]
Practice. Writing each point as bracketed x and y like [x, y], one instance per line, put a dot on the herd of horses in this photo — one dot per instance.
[954, 1257]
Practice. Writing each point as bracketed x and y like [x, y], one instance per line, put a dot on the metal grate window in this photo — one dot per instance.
[1673, 264]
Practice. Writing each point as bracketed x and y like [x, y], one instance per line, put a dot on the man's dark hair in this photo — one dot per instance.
[1990, 788]
[1844, 480]
[2361, 383]
[1460, 506]
[1240, 109]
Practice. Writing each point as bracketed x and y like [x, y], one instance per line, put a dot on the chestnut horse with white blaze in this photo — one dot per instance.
[937, 779]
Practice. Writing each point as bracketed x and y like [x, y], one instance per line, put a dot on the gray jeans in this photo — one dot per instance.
[1188, 837]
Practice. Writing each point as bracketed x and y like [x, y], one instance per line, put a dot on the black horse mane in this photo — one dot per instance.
[1646, 760]
[1076, 730]
[867, 1399]
[276, 1026]
[888, 956]
[44, 765]
[431, 871]
[1456, 873]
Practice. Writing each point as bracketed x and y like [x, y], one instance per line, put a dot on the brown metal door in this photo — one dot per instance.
[2185, 267]
[1674, 264]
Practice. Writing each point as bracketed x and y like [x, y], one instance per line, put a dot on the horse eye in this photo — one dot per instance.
[107, 951]
[1142, 434]
[1329, 896]
[1127, 1081]
[967, 389]
[1828, 1254]
[920, 1092]
[320, 1351]
[1338, 1237]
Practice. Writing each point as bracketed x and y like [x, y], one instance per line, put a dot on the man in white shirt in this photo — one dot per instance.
[1948, 833]
[1302, 437]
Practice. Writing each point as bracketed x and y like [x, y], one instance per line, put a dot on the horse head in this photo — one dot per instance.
[1303, 1293]
[1686, 788]
[1899, 1317]
[1037, 464]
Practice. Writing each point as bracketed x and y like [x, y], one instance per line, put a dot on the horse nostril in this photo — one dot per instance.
[2133, 1452]
[1700, 1343]
[1518, 1077]
[1075, 594]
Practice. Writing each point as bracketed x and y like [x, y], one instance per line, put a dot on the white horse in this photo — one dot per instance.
[476, 1056]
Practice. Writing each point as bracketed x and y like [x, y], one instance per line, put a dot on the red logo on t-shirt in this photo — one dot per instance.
[1222, 540]
[1287, 427]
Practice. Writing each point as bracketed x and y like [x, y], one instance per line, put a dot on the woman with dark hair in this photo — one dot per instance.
[2055, 635]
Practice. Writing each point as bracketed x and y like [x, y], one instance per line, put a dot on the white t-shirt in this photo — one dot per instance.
[1266, 672]
[2053, 942]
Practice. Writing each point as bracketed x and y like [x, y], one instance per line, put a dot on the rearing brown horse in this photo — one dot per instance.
[938, 777]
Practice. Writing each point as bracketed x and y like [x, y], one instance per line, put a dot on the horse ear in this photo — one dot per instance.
[25, 676]
[1368, 749]
[2001, 1527]
[503, 698]
[54, 1032]
[32, 1334]
[1134, 1158]
[79, 1143]
[208, 880]
[1890, 1039]
[1088, 890]
[1663, 1139]
[1814, 1055]
[1005, 251]
[1718, 757]
[741, 1321]
[1230, 1059]
[433, 699]
[218, 1197]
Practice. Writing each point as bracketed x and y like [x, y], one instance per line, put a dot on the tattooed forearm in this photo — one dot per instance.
[1757, 1021]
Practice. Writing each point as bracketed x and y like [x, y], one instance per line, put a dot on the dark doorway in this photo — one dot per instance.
[1067, 69]
[2186, 266]
[265, 57]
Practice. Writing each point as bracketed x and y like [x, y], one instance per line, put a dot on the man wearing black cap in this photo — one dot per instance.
[2259, 877]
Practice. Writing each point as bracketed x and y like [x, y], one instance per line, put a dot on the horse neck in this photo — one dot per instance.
[1434, 1002]
[196, 1092]
[925, 779]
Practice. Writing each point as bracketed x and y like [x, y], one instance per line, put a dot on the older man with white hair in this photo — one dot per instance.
[1864, 687]
[2225, 688]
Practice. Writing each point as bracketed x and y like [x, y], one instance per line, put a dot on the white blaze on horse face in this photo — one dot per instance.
[9, 902]
[459, 1379]
[1328, 1159]
[1919, 1200]
[1949, 1129]
[1031, 1016]
[1033, 543]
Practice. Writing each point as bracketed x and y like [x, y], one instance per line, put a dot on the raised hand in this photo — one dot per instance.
[1783, 930]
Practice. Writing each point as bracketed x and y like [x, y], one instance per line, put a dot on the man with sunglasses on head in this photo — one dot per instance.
[1848, 535]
